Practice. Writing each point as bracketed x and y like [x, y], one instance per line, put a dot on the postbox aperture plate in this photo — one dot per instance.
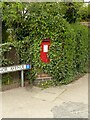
[45, 49]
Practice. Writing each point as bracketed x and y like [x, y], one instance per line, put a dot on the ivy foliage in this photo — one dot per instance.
[81, 50]
[16, 16]
[68, 49]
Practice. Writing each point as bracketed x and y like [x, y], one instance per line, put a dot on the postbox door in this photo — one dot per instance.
[44, 51]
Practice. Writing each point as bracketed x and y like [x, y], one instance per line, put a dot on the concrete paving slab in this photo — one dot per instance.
[75, 99]
[77, 91]
[49, 94]
[71, 110]
[19, 103]
[58, 101]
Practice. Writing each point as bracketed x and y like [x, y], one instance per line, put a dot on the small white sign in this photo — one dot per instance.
[14, 68]
[45, 48]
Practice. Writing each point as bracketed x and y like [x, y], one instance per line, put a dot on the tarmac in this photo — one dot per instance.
[66, 101]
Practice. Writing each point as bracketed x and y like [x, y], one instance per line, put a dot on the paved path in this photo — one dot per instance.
[67, 101]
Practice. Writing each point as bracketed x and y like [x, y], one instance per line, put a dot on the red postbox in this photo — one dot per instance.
[44, 50]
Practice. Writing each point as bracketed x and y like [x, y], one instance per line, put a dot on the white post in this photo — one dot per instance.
[22, 78]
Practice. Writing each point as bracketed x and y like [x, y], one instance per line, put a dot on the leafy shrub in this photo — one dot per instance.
[68, 49]
[62, 53]
[66, 58]
[81, 50]
[7, 79]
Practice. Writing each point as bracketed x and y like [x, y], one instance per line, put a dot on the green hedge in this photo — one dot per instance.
[81, 59]
[53, 26]
[68, 50]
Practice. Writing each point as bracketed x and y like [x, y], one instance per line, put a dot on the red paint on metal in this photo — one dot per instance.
[43, 54]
